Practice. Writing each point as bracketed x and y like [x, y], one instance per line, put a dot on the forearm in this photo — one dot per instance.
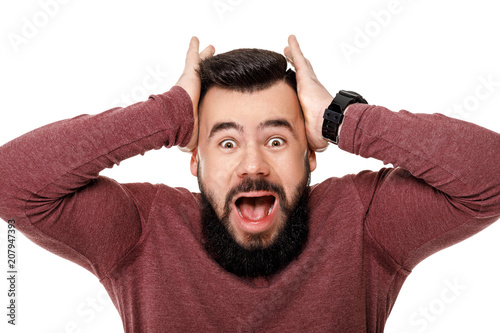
[58, 159]
[457, 158]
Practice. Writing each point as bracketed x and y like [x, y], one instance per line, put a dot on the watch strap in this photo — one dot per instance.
[334, 115]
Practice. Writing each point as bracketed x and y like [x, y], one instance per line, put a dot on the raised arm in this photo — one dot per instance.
[50, 183]
[446, 182]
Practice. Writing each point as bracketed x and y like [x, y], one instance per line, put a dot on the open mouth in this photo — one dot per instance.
[255, 208]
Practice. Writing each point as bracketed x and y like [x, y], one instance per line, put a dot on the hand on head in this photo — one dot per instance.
[313, 96]
[190, 81]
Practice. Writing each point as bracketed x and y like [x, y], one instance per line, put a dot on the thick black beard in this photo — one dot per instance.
[255, 261]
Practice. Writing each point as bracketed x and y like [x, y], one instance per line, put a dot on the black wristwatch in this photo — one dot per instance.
[334, 115]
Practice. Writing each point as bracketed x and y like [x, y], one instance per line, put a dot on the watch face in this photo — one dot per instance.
[357, 97]
[350, 94]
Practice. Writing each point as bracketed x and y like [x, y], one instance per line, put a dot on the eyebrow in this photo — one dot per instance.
[224, 126]
[221, 126]
[278, 123]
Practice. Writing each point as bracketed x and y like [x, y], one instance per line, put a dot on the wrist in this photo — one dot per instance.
[334, 114]
[193, 141]
[320, 117]
[341, 125]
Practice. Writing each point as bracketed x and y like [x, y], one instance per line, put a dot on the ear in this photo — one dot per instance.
[194, 162]
[311, 155]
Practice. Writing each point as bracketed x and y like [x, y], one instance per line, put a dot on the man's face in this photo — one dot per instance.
[244, 139]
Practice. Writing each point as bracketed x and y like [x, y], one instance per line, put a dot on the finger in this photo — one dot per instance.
[295, 53]
[294, 44]
[207, 52]
[192, 53]
[288, 55]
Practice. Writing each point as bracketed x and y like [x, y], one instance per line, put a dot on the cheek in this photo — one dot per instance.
[290, 165]
[215, 175]
[291, 172]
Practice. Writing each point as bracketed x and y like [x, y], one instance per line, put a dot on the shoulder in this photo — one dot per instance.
[359, 187]
[147, 195]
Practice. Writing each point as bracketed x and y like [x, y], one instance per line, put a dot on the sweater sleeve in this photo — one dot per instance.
[50, 183]
[445, 185]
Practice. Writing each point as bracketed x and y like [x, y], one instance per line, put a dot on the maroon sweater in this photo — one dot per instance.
[367, 231]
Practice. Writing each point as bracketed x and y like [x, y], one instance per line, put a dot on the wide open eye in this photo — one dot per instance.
[276, 142]
[228, 144]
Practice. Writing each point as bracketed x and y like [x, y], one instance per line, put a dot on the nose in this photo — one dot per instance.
[253, 163]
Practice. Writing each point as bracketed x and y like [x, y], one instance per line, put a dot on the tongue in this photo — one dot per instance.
[255, 209]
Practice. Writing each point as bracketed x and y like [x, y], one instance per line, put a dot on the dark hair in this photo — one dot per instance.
[245, 70]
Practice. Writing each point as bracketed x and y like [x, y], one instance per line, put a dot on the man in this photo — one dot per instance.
[258, 249]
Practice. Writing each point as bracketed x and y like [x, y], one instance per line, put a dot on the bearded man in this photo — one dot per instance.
[259, 249]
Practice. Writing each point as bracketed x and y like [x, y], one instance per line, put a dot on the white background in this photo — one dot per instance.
[64, 58]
